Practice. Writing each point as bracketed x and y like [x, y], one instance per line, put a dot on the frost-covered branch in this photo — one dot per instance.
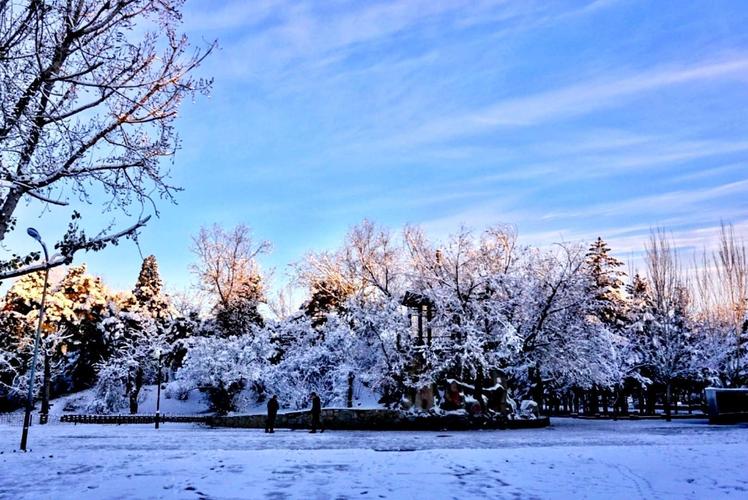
[74, 244]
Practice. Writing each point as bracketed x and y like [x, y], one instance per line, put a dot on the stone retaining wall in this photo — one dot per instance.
[353, 419]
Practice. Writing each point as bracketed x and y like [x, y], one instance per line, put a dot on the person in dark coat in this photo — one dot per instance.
[316, 410]
[272, 412]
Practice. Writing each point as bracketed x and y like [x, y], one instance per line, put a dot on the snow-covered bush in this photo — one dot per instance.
[110, 391]
[223, 367]
[313, 361]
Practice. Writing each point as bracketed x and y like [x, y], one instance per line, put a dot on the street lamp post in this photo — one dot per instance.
[30, 397]
[157, 355]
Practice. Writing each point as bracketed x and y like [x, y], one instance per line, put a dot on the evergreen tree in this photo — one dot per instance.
[71, 343]
[148, 290]
[639, 310]
[326, 296]
[639, 332]
[85, 302]
[240, 312]
[607, 284]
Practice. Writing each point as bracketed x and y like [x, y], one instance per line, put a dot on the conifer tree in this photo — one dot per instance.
[148, 290]
[85, 299]
[607, 283]
[71, 343]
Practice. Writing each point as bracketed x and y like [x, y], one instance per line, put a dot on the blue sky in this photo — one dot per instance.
[568, 119]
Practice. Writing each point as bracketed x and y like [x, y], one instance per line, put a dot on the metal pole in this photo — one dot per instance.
[30, 396]
[158, 392]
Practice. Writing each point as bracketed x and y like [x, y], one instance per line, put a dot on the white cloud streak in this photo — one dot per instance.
[574, 100]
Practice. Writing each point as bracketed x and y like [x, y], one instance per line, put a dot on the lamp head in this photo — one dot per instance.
[34, 234]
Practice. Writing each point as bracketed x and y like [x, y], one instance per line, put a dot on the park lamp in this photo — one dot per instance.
[30, 396]
[38, 237]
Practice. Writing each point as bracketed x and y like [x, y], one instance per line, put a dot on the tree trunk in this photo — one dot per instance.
[45, 389]
[536, 387]
[479, 390]
[594, 406]
[134, 390]
[623, 401]
[350, 390]
[6, 211]
[690, 399]
[651, 399]
[616, 402]
[606, 402]
[668, 416]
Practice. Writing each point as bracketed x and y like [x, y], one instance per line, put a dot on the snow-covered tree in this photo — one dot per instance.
[607, 283]
[90, 91]
[224, 367]
[670, 348]
[148, 291]
[313, 360]
[464, 281]
[137, 345]
[70, 342]
[368, 265]
[381, 346]
[327, 295]
[721, 309]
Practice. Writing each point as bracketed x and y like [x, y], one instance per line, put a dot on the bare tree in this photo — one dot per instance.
[721, 286]
[227, 268]
[89, 91]
[732, 276]
[464, 263]
[281, 304]
[372, 254]
[669, 350]
[367, 266]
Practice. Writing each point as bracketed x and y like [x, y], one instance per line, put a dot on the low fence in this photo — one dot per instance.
[16, 419]
[13, 419]
[131, 419]
[331, 418]
[636, 416]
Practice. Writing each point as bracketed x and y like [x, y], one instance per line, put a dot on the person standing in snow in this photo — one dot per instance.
[316, 410]
[272, 412]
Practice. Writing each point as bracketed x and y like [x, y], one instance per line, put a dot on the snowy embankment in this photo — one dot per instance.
[79, 402]
[570, 459]
[195, 404]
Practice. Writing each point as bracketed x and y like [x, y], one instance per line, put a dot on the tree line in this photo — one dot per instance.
[397, 312]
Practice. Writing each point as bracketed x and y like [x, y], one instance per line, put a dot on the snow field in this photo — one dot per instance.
[571, 459]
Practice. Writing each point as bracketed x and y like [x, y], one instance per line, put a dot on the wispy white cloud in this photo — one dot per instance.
[222, 17]
[575, 100]
[278, 37]
[707, 173]
[470, 112]
[684, 200]
[629, 241]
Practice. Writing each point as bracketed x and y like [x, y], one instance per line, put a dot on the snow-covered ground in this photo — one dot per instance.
[195, 404]
[78, 402]
[570, 459]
